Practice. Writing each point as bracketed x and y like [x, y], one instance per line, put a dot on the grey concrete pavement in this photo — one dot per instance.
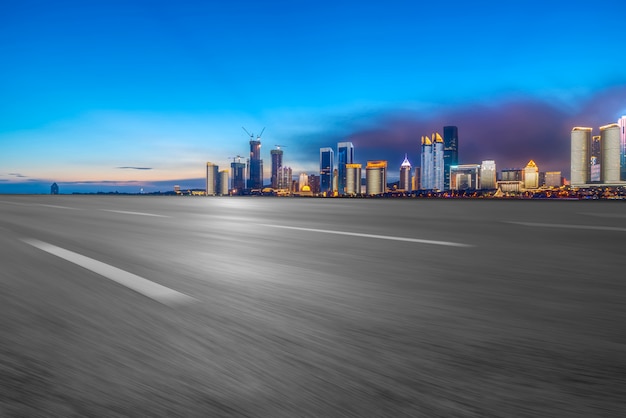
[289, 319]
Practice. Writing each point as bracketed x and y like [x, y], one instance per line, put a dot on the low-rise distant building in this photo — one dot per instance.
[553, 179]
[465, 177]
[531, 175]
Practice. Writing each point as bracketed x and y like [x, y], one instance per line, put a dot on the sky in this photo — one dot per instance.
[130, 95]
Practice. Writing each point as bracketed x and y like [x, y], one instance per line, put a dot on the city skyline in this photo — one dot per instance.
[104, 96]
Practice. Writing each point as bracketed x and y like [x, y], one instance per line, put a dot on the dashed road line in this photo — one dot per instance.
[139, 284]
[570, 226]
[125, 212]
[357, 234]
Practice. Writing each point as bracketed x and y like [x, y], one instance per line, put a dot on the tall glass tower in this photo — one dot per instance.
[256, 165]
[239, 176]
[345, 155]
[327, 157]
[277, 165]
[450, 152]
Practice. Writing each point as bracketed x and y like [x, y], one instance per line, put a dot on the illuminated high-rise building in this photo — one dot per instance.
[212, 171]
[277, 164]
[238, 170]
[438, 164]
[622, 126]
[327, 157]
[531, 175]
[488, 175]
[255, 167]
[376, 177]
[610, 154]
[580, 156]
[345, 155]
[353, 179]
[450, 152]
[595, 160]
[426, 168]
[405, 175]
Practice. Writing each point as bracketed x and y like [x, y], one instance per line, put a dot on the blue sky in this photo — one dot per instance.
[90, 88]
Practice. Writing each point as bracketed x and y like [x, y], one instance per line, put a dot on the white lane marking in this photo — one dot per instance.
[147, 288]
[125, 212]
[357, 234]
[57, 206]
[604, 215]
[570, 226]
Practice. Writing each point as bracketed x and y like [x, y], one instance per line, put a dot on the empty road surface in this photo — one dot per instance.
[278, 307]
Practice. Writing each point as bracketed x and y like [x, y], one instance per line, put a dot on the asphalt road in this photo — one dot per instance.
[279, 307]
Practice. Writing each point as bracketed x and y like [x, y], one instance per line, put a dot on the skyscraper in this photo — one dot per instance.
[450, 152]
[426, 169]
[595, 160]
[622, 125]
[438, 164]
[376, 177]
[345, 155]
[353, 179]
[488, 175]
[255, 168]
[238, 170]
[405, 175]
[277, 164]
[222, 186]
[579, 161]
[211, 179]
[327, 157]
[610, 153]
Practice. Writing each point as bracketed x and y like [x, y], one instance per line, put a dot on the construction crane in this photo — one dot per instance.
[252, 135]
[279, 146]
[238, 157]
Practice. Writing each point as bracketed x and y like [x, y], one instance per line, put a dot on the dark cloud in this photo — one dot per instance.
[135, 168]
[17, 175]
[511, 132]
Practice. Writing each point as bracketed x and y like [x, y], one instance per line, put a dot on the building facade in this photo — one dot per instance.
[405, 175]
[488, 175]
[255, 165]
[238, 174]
[438, 164]
[376, 177]
[353, 179]
[622, 125]
[426, 167]
[580, 156]
[531, 175]
[327, 158]
[465, 177]
[277, 164]
[345, 155]
[450, 152]
[553, 179]
[222, 185]
[212, 173]
[610, 153]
